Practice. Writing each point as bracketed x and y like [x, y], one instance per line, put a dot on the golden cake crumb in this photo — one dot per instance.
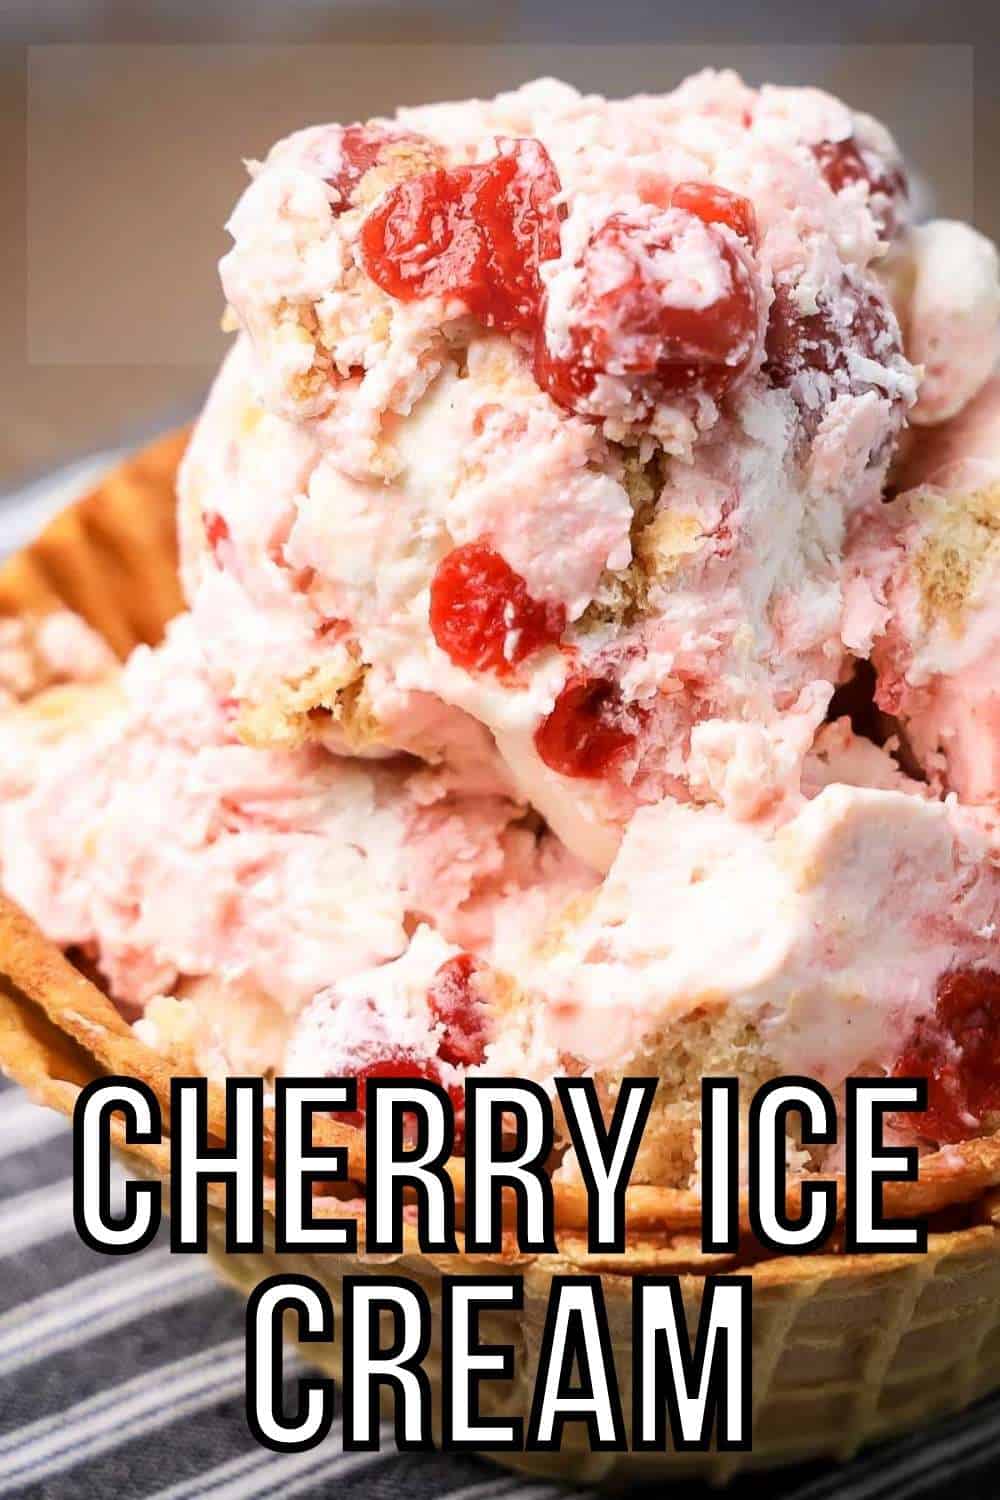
[962, 535]
[399, 160]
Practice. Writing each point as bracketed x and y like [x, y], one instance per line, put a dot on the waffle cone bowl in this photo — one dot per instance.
[846, 1348]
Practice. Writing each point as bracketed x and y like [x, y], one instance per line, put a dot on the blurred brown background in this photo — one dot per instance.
[124, 129]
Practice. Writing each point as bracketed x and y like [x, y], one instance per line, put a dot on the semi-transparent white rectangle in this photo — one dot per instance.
[134, 154]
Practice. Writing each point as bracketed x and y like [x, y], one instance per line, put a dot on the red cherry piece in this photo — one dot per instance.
[216, 531]
[842, 164]
[798, 342]
[637, 315]
[399, 1064]
[457, 1004]
[478, 233]
[330, 627]
[361, 148]
[715, 205]
[957, 1051]
[482, 615]
[588, 729]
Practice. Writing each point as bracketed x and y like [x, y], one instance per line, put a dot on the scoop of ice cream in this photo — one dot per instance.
[923, 593]
[719, 946]
[148, 836]
[947, 282]
[965, 448]
[529, 480]
[549, 410]
[361, 250]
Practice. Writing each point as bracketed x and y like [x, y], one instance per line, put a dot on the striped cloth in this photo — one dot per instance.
[122, 1378]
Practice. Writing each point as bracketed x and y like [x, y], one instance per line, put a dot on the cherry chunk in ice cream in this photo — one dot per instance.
[665, 299]
[843, 163]
[482, 615]
[457, 1006]
[669, 296]
[956, 1050]
[474, 232]
[855, 323]
[589, 730]
[456, 1003]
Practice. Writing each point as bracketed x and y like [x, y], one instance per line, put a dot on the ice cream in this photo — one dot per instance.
[43, 653]
[560, 691]
[924, 589]
[948, 296]
[552, 410]
[716, 945]
[298, 911]
[139, 830]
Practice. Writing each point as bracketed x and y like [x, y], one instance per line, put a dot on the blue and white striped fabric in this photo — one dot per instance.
[122, 1379]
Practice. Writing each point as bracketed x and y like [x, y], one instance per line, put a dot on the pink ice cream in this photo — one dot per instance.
[150, 838]
[827, 936]
[534, 523]
[592, 497]
[45, 652]
[924, 598]
[945, 276]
